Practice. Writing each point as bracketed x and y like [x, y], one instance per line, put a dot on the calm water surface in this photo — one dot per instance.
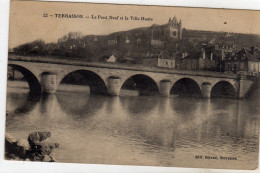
[139, 130]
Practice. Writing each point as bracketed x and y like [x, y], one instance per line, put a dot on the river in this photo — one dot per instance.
[139, 130]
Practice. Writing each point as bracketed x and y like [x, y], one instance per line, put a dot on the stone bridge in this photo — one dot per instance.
[44, 74]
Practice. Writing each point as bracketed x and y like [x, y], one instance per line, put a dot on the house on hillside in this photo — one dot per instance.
[226, 49]
[128, 59]
[159, 60]
[198, 60]
[244, 61]
[108, 58]
[112, 58]
[254, 60]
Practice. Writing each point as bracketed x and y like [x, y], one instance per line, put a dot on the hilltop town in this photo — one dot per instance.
[164, 46]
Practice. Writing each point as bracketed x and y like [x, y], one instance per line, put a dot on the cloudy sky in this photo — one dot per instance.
[27, 22]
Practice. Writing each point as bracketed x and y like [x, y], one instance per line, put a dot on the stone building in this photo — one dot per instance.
[155, 35]
[169, 31]
[226, 49]
[112, 58]
[199, 60]
[244, 60]
[159, 60]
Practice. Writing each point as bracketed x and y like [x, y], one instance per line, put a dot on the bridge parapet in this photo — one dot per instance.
[119, 66]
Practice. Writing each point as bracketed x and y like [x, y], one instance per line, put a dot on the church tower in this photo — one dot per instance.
[175, 28]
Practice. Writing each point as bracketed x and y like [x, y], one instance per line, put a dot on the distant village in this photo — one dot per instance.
[162, 46]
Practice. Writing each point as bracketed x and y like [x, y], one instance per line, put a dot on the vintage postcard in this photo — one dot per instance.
[133, 85]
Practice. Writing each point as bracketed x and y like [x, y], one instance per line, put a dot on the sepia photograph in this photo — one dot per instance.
[137, 85]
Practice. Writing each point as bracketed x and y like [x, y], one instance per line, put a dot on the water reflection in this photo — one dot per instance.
[227, 129]
[139, 105]
[164, 106]
[48, 104]
[80, 104]
[185, 107]
[113, 106]
[142, 129]
[26, 104]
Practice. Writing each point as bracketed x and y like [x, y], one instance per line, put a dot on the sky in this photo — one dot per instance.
[28, 24]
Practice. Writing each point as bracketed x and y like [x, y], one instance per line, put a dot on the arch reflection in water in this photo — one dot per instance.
[185, 107]
[140, 119]
[28, 105]
[158, 130]
[139, 105]
[80, 104]
[144, 125]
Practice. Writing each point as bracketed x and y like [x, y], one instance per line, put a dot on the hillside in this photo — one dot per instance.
[134, 43]
[243, 40]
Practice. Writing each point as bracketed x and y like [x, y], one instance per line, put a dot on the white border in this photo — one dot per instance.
[14, 166]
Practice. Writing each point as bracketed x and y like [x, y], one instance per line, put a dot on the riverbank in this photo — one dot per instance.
[15, 149]
[20, 150]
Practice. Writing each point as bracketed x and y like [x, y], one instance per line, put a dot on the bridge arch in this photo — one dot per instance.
[33, 82]
[145, 84]
[186, 87]
[85, 77]
[223, 89]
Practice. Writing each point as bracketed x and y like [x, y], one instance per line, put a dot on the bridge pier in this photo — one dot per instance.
[49, 83]
[245, 86]
[165, 87]
[206, 90]
[113, 86]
